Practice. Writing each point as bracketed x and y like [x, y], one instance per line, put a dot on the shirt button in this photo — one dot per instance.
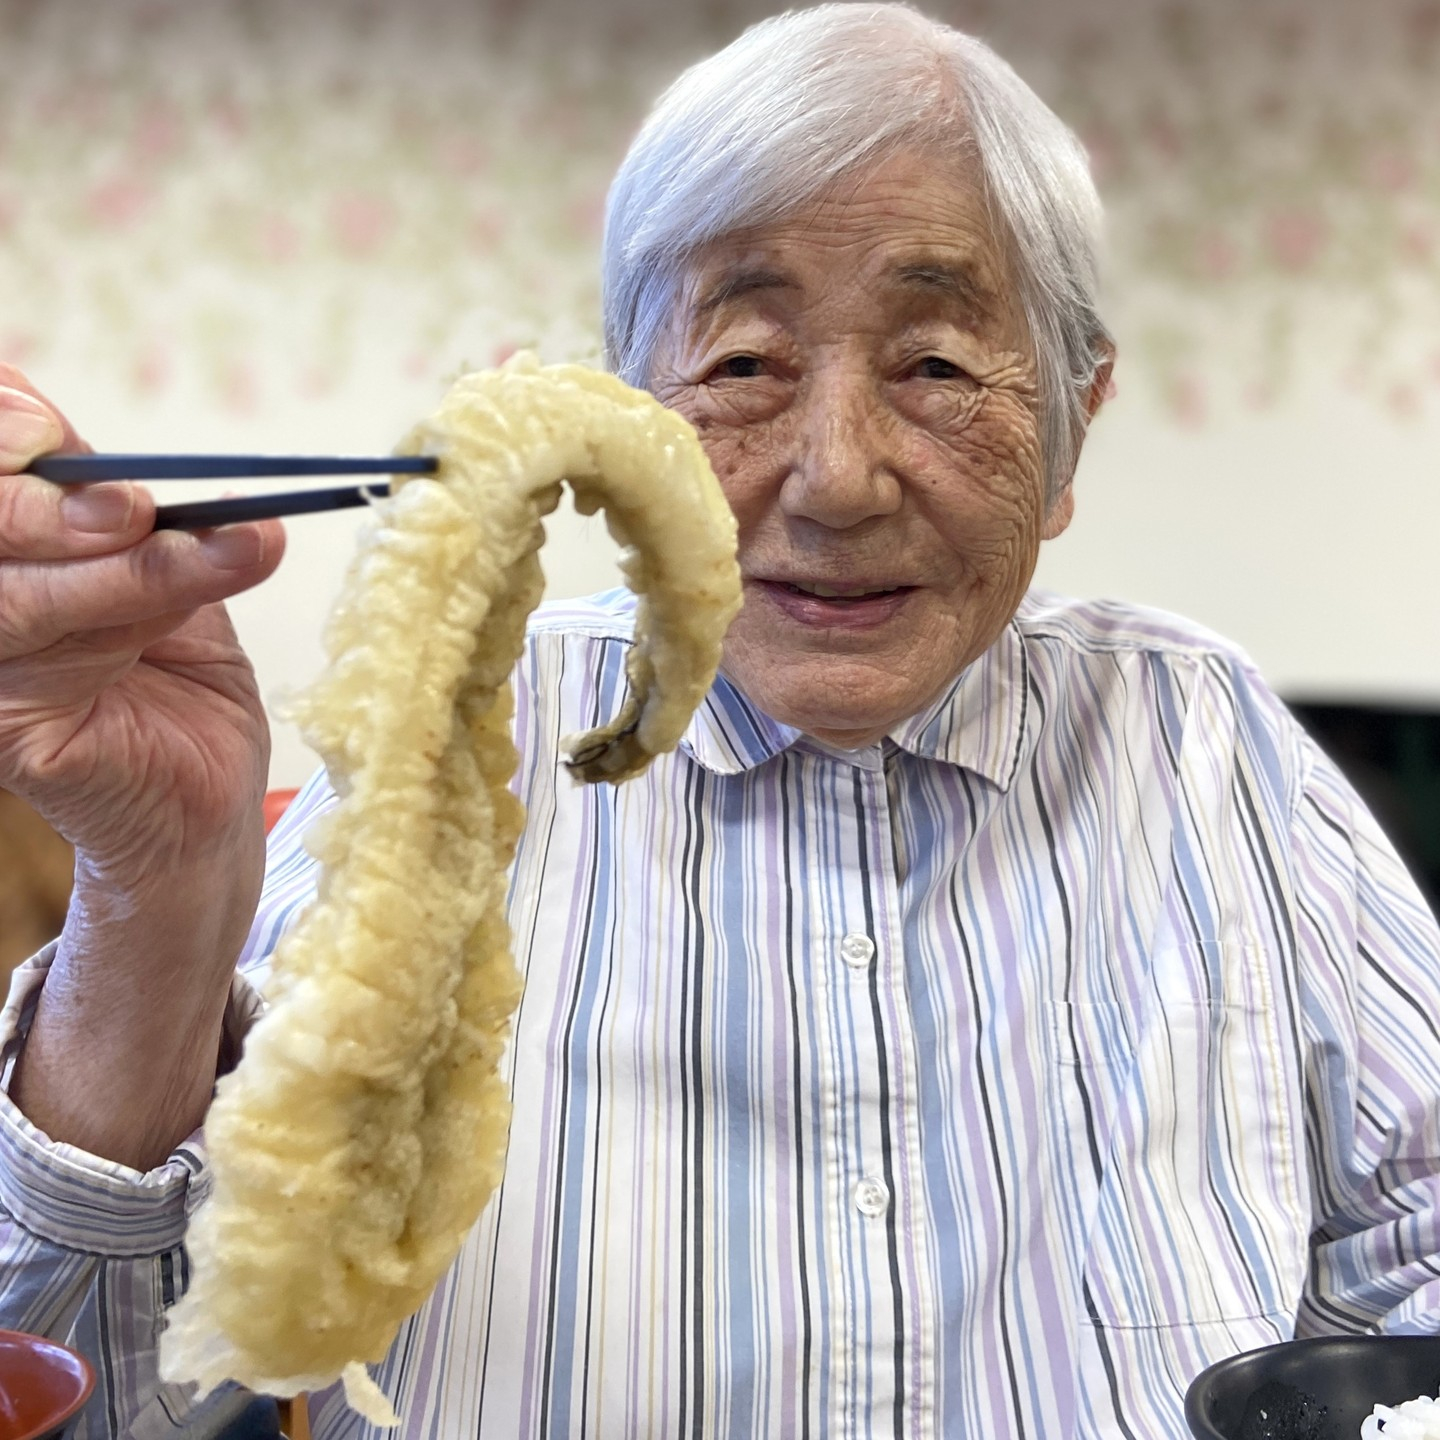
[871, 1197]
[857, 950]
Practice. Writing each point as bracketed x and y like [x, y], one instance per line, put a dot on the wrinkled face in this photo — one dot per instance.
[862, 380]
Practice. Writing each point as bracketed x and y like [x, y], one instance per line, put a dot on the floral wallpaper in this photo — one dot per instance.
[261, 197]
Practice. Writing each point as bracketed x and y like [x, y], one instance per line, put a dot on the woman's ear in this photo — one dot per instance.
[1060, 514]
[1102, 387]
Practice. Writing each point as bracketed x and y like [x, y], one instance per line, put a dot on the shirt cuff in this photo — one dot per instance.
[69, 1197]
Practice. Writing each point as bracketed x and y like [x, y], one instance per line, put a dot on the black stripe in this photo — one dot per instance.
[402, 1347]
[900, 848]
[1379, 1126]
[1006, 1344]
[1282, 924]
[171, 1412]
[892, 1251]
[1329, 820]
[1336, 1316]
[695, 963]
[683, 1309]
[1091, 1139]
[566, 1050]
[1280, 921]
[1425, 1018]
[1177, 882]
[595, 1246]
[1290, 961]
[1069, 928]
[797, 1104]
[499, 1197]
[691, 1310]
[102, 1360]
[1317, 1146]
[1024, 705]
[1112, 1381]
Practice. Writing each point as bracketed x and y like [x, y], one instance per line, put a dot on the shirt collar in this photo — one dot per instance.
[977, 724]
[729, 735]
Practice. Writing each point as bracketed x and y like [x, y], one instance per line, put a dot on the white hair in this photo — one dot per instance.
[749, 135]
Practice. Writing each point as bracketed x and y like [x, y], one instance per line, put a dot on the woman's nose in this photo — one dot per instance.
[843, 470]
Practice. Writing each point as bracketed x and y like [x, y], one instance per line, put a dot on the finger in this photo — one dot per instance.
[29, 424]
[41, 521]
[167, 572]
[208, 629]
[75, 669]
[126, 640]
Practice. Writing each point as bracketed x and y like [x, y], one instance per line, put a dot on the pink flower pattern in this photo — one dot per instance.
[118, 203]
[1296, 238]
[465, 182]
[361, 223]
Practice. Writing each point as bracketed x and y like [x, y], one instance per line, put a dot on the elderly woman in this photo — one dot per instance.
[997, 1009]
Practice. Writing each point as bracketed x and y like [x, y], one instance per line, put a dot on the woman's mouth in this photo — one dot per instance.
[835, 592]
[817, 603]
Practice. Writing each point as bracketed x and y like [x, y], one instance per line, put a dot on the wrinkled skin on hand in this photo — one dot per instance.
[863, 380]
[129, 716]
[130, 719]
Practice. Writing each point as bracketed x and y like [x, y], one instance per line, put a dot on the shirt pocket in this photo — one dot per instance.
[1198, 1213]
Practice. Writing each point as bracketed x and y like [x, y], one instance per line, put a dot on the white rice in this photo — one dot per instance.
[1417, 1419]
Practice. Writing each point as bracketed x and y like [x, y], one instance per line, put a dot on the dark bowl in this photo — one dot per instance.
[1310, 1389]
[42, 1385]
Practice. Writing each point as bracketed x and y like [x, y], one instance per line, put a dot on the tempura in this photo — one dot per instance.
[365, 1128]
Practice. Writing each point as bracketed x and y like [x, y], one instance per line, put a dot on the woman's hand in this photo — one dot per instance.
[130, 718]
[129, 715]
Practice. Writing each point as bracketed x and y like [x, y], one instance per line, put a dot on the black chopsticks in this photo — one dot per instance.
[87, 469]
[200, 514]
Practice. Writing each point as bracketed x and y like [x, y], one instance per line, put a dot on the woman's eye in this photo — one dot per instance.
[739, 367]
[936, 367]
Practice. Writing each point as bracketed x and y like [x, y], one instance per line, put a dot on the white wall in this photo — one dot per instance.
[1308, 533]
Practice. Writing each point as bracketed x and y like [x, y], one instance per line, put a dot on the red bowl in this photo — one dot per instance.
[42, 1385]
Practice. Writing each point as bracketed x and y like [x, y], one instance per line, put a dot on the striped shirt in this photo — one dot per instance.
[989, 1081]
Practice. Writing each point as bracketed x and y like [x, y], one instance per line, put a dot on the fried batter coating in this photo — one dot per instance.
[365, 1128]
